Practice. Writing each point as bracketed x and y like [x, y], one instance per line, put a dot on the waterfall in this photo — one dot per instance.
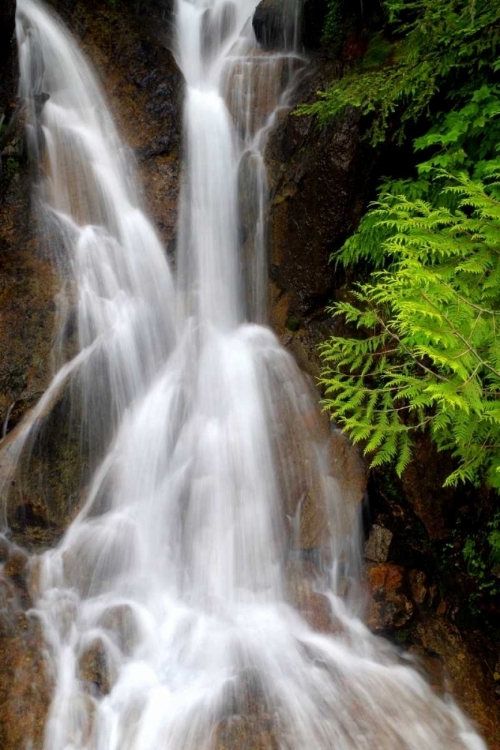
[166, 607]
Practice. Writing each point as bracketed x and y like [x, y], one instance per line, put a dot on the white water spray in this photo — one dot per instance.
[165, 605]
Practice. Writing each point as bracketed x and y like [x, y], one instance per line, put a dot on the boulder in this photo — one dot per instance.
[319, 179]
[26, 682]
[469, 683]
[274, 22]
[95, 668]
[378, 544]
[120, 620]
[390, 606]
[422, 483]
[301, 577]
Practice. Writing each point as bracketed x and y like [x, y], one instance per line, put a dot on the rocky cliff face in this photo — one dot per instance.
[144, 87]
[319, 180]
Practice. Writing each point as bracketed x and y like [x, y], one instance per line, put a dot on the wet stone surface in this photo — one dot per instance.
[96, 669]
[25, 678]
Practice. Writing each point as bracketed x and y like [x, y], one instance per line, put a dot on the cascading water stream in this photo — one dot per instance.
[173, 575]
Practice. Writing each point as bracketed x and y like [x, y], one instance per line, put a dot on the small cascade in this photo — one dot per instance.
[166, 606]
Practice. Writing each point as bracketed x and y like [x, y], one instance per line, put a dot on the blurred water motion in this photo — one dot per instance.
[166, 606]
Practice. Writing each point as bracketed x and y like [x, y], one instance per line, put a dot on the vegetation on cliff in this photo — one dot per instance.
[426, 352]
[423, 51]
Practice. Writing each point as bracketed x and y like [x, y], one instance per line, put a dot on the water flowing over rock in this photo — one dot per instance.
[207, 592]
[26, 684]
[318, 178]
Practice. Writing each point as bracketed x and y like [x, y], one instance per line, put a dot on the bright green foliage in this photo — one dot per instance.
[429, 355]
[465, 138]
[434, 43]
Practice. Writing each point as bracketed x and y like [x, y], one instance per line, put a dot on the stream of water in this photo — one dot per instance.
[165, 606]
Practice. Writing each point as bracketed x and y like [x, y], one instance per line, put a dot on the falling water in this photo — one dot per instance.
[166, 605]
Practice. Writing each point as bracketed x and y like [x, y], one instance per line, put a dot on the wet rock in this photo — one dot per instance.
[430, 666]
[83, 709]
[17, 564]
[217, 24]
[249, 725]
[246, 733]
[275, 23]
[28, 285]
[121, 621]
[4, 549]
[25, 684]
[422, 483]
[345, 484]
[390, 606]
[377, 546]
[313, 172]
[313, 521]
[144, 86]
[469, 683]
[127, 44]
[319, 178]
[46, 473]
[418, 586]
[95, 668]
[301, 580]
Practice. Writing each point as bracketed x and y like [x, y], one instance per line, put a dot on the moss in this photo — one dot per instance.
[293, 323]
[378, 52]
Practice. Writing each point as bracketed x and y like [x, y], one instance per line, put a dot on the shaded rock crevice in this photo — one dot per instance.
[320, 178]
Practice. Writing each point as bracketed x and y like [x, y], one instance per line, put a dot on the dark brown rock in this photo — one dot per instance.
[313, 20]
[145, 90]
[349, 469]
[17, 564]
[250, 724]
[312, 605]
[418, 586]
[314, 175]
[422, 483]
[246, 733]
[470, 684]
[95, 668]
[4, 549]
[46, 478]
[25, 682]
[390, 606]
[273, 23]
[28, 285]
[144, 86]
[319, 179]
[378, 544]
